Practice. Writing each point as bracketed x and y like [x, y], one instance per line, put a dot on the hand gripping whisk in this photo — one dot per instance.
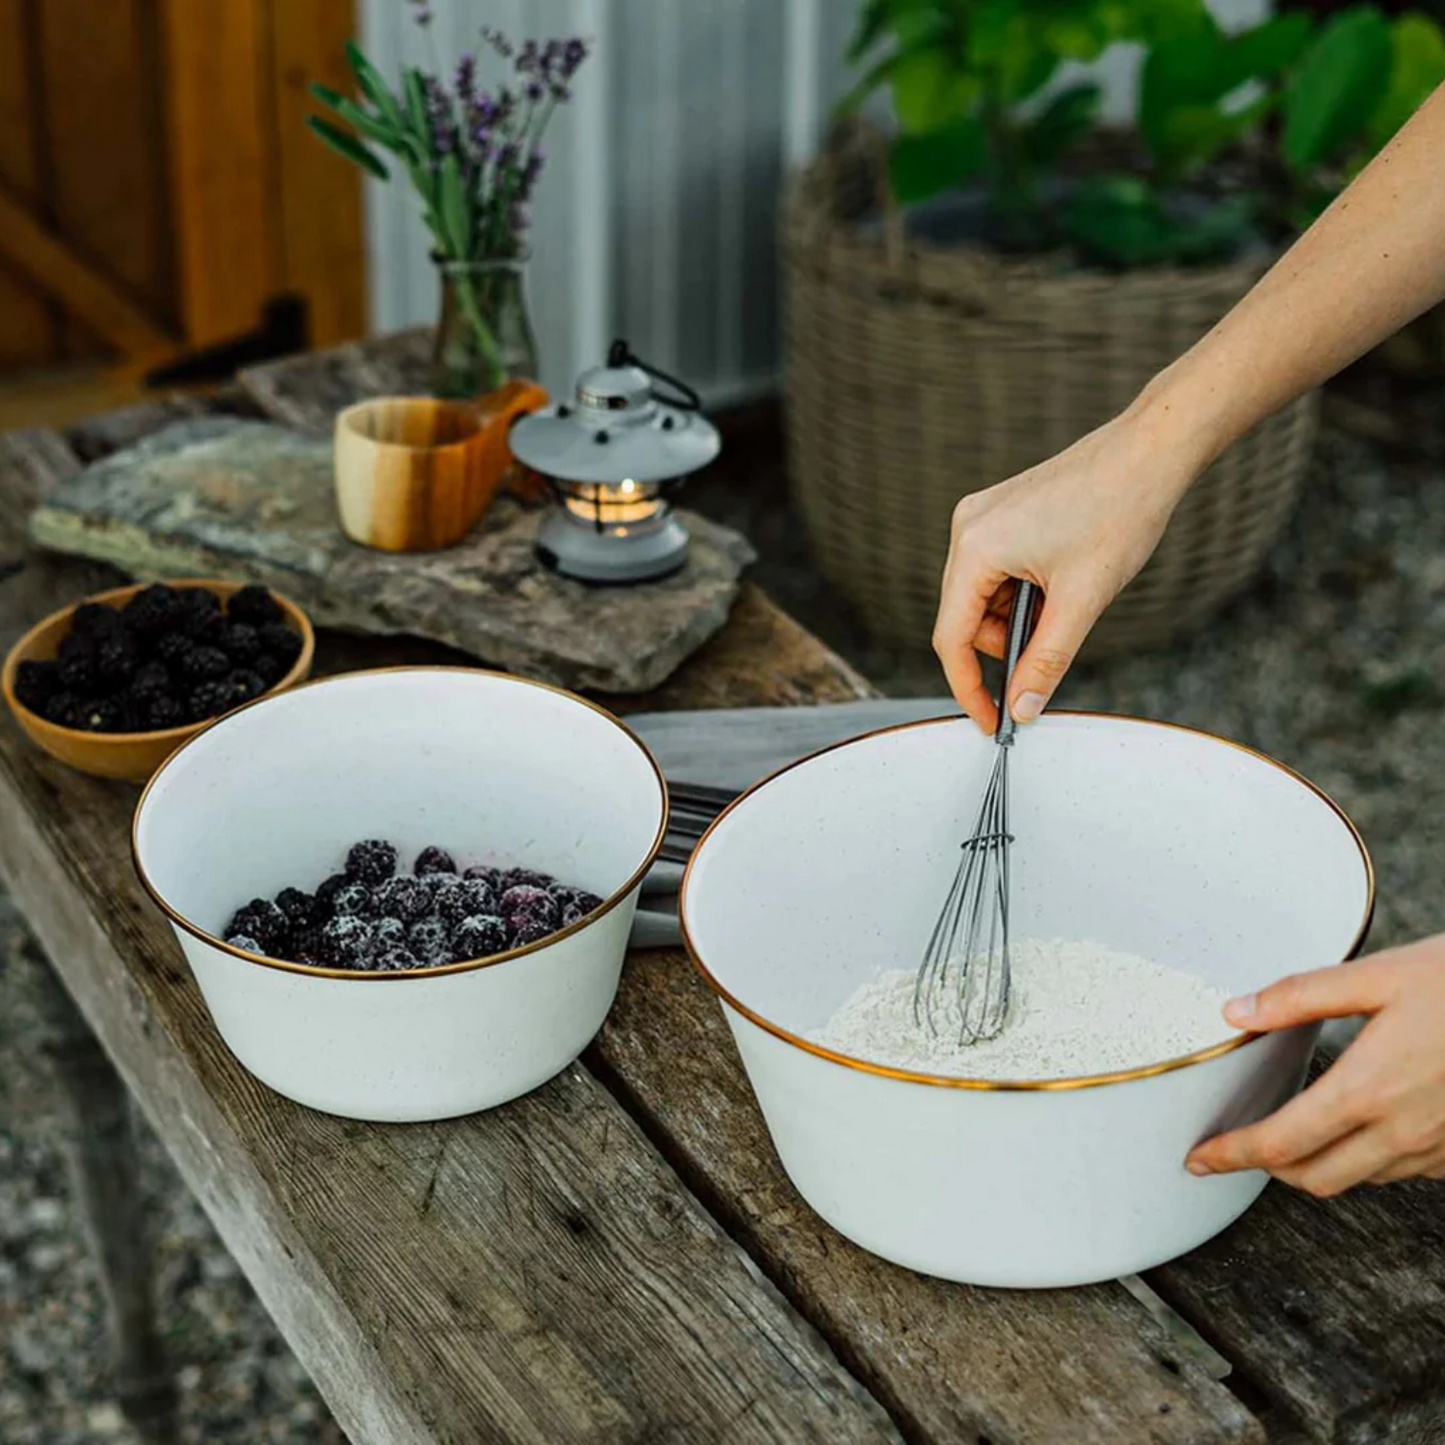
[967, 955]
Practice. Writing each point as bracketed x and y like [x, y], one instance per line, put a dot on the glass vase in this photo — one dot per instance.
[484, 333]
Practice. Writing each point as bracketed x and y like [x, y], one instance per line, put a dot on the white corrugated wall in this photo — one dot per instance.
[656, 217]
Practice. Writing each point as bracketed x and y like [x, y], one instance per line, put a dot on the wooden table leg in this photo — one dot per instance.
[100, 1151]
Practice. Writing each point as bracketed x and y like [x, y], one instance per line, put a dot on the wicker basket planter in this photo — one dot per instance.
[919, 373]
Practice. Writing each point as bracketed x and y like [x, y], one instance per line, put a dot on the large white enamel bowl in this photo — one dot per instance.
[493, 768]
[1151, 839]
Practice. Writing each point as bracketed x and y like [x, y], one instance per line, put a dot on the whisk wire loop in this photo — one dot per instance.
[964, 982]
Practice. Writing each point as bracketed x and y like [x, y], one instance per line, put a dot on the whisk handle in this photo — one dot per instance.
[1021, 620]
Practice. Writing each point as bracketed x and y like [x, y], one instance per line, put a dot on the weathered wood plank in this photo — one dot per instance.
[951, 1363]
[98, 436]
[537, 1273]
[1335, 1311]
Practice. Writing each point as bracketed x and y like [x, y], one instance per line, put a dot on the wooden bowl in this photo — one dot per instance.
[132, 757]
[414, 473]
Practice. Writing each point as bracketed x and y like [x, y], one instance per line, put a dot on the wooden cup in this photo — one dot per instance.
[413, 473]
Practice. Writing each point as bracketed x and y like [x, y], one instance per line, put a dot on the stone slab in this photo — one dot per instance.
[237, 498]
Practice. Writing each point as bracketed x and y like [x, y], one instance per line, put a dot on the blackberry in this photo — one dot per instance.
[530, 900]
[573, 913]
[262, 920]
[346, 941]
[115, 662]
[199, 611]
[470, 897]
[311, 960]
[244, 685]
[63, 708]
[328, 890]
[101, 716]
[372, 861]
[428, 939]
[389, 933]
[254, 605]
[96, 620]
[306, 946]
[530, 927]
[36, 683]
[75, 662]
[404, 899]
[433, 860]
[526, 878]
[575, 898]
[355, 899]
[479, 936]
[171, 647]
[395, 960]
[299, 907]
[163, 711]
[207, 700]
[246, 942]
[269, 669]
[204, 664]
[490, 876]
[279, 640]
[149, 681]
[152, 610]
[239, 640]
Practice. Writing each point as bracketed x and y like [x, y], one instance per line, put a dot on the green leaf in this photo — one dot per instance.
[373, 83]
[348, 145]
[1119, 221]
[1065, 121]
[1264, 51]
[456, 215]
[1336, 88]
[876, 76]
[1153, 21]
[925, 165]
[1418, 66]
[923, 90]
[872, 22]
[367, 124]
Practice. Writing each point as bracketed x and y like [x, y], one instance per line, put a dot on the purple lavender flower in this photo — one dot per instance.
[534, 91]
[466, 78]
[574, 53]
[498, 42]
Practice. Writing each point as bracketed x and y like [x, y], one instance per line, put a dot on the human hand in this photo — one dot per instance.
[1376, 1115]
[1079, 525]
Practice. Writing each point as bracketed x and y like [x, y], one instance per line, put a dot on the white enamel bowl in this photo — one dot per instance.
[1151, 839]
[493, 768]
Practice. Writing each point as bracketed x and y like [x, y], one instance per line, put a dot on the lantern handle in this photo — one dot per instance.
[685, 399]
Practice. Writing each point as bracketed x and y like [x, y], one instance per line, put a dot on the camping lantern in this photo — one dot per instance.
[611, 456]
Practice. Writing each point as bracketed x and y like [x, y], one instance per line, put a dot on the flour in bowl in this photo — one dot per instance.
[1078, 1009]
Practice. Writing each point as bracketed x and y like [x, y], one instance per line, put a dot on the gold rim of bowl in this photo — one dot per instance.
[441, 970]
[948, 1081]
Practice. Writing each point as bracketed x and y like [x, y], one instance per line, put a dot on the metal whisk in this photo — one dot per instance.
[968, 950]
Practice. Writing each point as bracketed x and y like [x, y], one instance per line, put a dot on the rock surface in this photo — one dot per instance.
[237, 498]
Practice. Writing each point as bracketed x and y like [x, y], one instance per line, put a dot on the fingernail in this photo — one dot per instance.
[1240, 1011]
[1198, 1168]
[1028, 705]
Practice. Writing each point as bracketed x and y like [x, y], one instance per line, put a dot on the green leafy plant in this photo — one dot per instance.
[972, 86]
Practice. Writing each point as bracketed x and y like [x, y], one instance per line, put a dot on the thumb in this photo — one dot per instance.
[1343, 991]
[1062, 627]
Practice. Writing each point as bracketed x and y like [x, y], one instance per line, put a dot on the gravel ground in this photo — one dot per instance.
[1334, 663]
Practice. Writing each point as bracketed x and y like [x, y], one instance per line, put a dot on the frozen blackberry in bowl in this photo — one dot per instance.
[463, 1014]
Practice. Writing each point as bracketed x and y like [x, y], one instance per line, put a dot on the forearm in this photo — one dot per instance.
[1372, 262]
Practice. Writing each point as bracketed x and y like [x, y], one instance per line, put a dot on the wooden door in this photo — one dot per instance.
[157, 182]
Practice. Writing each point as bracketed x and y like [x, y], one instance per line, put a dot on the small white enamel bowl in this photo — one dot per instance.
[1151, 839]
[494, 769]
